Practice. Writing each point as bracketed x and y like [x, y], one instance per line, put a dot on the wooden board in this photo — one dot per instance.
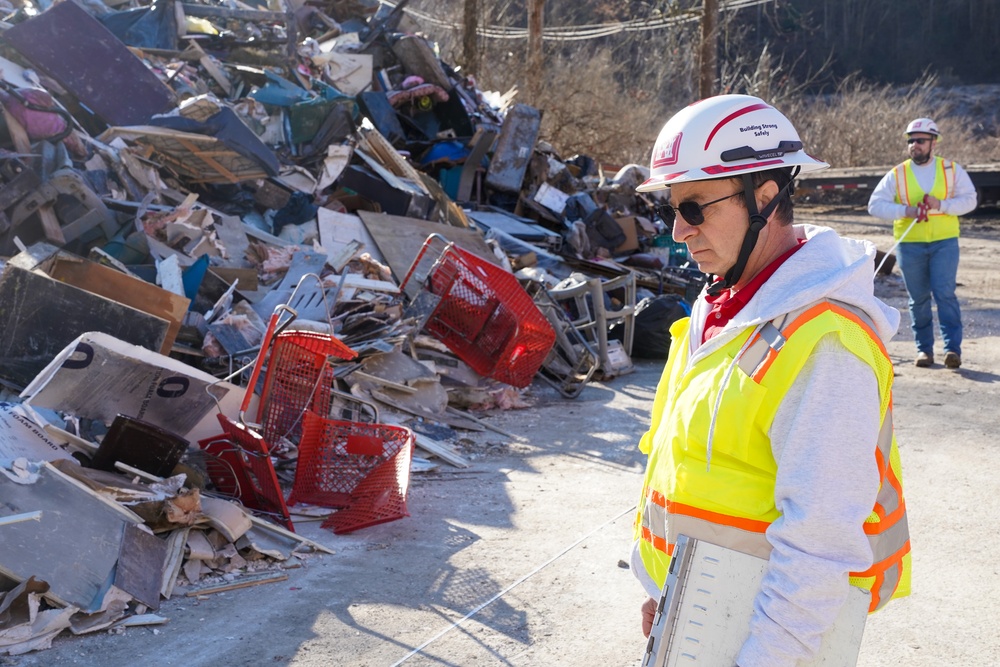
[199, 157]
[124, 289]
[399, 240]
[40, 316]
[73, 547]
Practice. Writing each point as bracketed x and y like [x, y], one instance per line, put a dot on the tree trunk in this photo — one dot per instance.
[709, 48]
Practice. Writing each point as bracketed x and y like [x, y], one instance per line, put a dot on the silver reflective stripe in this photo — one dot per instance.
[745, 541]
[885, 544]
[654, 518]
[770, 338]
[888, 496]
[889, 584]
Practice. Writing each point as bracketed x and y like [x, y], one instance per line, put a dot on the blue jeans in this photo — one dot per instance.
[930, 268]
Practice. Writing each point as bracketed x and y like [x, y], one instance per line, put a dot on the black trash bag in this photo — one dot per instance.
[653, 317]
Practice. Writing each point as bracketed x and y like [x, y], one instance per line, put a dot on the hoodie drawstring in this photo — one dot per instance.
[722, 388]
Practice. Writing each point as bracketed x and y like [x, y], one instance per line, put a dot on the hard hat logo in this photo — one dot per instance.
[667, 154]
[721, 135]
[925, 125]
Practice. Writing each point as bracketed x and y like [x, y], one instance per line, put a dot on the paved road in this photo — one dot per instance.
[516, 560]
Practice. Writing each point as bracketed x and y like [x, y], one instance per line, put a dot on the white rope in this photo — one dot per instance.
[893, 248]
[509, 588]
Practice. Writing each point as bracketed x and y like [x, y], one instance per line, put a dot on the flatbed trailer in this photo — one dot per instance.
[985, 177]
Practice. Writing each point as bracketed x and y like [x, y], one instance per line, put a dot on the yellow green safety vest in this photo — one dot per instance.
[939, 226]
[731, 503]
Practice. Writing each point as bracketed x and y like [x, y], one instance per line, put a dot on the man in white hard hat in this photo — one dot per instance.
[923, 197]
[771, 431]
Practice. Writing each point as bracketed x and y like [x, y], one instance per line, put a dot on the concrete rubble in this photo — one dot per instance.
[259, 265]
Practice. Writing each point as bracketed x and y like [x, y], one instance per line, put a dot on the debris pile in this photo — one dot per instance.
[251, 260]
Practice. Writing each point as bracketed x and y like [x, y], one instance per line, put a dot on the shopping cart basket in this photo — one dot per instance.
[482, 314]
[239, 465]
[298, 376]
[361, 468]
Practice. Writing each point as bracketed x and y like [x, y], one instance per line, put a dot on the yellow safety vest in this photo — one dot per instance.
[939, 226]
[731, 503]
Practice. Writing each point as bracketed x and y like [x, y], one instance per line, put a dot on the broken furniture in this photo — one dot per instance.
[140, 445]
[482, 314]
[43, 200]
[585, 302]
[605, 293]
[572, 362]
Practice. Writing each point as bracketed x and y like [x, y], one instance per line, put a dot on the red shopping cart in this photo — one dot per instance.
[299, 376]
[482, 314]
[361, 468]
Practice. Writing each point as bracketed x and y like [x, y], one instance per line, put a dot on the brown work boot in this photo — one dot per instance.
[952, 359]
[923, 360]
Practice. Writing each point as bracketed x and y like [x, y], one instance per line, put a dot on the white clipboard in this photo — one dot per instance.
[703, 617]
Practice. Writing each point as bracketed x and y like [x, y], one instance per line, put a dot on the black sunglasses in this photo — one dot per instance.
[921, 141]
[690, 210]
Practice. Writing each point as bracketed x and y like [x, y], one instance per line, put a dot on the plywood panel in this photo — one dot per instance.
[125, 289]
[40, 316]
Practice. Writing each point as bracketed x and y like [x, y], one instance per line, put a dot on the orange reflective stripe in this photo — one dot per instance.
[751, 525]
[904, 194]
[761, 371]
[880, 567]
[808, 315]
[861, 323]
[659, 543]
[880, 462]
[805, 317]
[889, 520]
[657, 498]
[878, 570]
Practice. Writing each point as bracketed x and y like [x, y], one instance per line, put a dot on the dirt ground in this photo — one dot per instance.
[519, 560]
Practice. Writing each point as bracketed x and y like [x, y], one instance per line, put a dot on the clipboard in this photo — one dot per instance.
[703, 616]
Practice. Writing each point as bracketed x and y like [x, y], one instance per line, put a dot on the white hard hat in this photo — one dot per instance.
[925, 125]
[727, 135]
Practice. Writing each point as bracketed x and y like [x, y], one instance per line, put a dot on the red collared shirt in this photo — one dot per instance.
[726, 304]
